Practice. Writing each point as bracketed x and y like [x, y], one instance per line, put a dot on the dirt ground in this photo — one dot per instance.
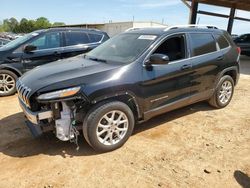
[196, 146]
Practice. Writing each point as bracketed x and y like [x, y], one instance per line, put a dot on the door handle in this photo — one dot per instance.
[186, 67]
[220, 58]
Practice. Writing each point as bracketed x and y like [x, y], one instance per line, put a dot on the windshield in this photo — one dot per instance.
[123, 48]
[19, 41]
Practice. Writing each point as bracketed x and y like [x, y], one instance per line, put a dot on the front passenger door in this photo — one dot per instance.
[48, 49]
[168, 84]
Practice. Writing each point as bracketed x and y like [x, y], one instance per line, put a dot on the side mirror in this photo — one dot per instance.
[29, 48]
[158, 59]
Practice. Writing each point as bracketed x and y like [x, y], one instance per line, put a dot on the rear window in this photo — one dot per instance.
[76, 37]
[222, 41]
[95, 37]
[202, 43]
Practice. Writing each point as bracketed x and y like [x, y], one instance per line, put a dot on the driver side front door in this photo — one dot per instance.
[49, 49]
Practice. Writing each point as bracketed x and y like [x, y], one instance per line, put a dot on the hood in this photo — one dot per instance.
[64, 73]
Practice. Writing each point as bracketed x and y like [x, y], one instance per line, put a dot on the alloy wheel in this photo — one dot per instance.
[225, 92]
[112, 127]
[7, 83]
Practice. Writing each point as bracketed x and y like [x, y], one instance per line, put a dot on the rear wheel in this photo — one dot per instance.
[108, 126]
[223, 93]
[7, 83]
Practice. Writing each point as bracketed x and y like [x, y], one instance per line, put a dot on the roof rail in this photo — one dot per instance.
[132, 29]
[191, 25]
[138, 28]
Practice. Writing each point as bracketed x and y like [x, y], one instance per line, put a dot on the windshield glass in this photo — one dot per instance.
[123, 48]
[19, 41]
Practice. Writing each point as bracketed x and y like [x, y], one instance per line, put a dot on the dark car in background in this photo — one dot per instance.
[243, 41]
[41, 47]
[3, 41]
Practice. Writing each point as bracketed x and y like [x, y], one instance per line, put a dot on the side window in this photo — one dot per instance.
[173, 47]
[221, 41]
[245, 38]
[202, 43]
[76, 37]
[95, 37]
[47, 41]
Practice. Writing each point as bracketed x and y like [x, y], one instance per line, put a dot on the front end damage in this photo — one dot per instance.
[62, 116]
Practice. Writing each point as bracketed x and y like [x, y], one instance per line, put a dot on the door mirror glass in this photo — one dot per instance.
[158, 59]
[29, 48]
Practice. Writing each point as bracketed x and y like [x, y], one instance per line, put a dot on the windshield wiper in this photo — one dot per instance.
[97, 59]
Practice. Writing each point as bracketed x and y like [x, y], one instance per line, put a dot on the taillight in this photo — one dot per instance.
[238, 50]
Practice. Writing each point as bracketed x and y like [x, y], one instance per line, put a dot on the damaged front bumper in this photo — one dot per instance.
[35, 117]
[34, 120]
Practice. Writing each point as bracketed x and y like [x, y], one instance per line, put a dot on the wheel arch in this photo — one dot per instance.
[231, 71]
[12, 69]
[126, 97]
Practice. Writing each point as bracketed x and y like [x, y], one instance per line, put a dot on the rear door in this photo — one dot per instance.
[75, 43]
[169, 84]
[49, 48]
[206, 60]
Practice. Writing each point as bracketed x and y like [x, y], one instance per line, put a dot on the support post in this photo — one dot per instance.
[231, 21]
[193, 12]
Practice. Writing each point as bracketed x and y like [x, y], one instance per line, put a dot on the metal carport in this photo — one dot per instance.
[232, 4]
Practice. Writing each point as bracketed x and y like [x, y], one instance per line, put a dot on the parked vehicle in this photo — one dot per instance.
[41, 47]
[234, 36]
[243, 42]
[127, 80]
[3, 41]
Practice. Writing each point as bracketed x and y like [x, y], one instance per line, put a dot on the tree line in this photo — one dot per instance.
[26, 26]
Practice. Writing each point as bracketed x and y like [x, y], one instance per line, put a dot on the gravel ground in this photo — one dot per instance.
[196, 146]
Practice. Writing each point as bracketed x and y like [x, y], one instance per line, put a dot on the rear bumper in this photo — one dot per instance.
[35, 117]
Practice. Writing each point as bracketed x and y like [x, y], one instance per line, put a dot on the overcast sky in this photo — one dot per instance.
[172, 12]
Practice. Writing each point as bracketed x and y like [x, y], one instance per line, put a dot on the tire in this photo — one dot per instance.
[96, 122]
[217, 99]
[7, 83]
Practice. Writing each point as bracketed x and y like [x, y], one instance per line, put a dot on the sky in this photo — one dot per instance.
[170, 12]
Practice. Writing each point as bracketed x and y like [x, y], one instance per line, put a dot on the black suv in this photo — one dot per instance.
[243, 42]
[129, 79]
[41, 47]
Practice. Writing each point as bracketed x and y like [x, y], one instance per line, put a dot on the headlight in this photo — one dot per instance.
[59, 94]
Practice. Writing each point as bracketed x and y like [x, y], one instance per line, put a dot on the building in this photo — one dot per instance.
[114, 28]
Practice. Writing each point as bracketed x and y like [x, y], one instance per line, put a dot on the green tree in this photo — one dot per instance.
[25, 25]
[6, 25]
[1, 27]
[58, 24]
[42, 23]
[13, 23]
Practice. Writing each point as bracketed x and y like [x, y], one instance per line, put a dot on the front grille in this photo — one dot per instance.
[23, 93]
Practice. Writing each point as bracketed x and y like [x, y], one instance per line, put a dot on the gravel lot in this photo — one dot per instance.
[196, 146]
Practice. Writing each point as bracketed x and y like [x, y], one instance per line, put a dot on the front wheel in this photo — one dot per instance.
[7, 83]
[108, 126]
[223, 93]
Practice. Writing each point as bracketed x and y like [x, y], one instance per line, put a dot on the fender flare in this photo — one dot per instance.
[10, 68]
[234, 68]
[128, 94]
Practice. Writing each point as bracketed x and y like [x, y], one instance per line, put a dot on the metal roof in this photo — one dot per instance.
[238, 4]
